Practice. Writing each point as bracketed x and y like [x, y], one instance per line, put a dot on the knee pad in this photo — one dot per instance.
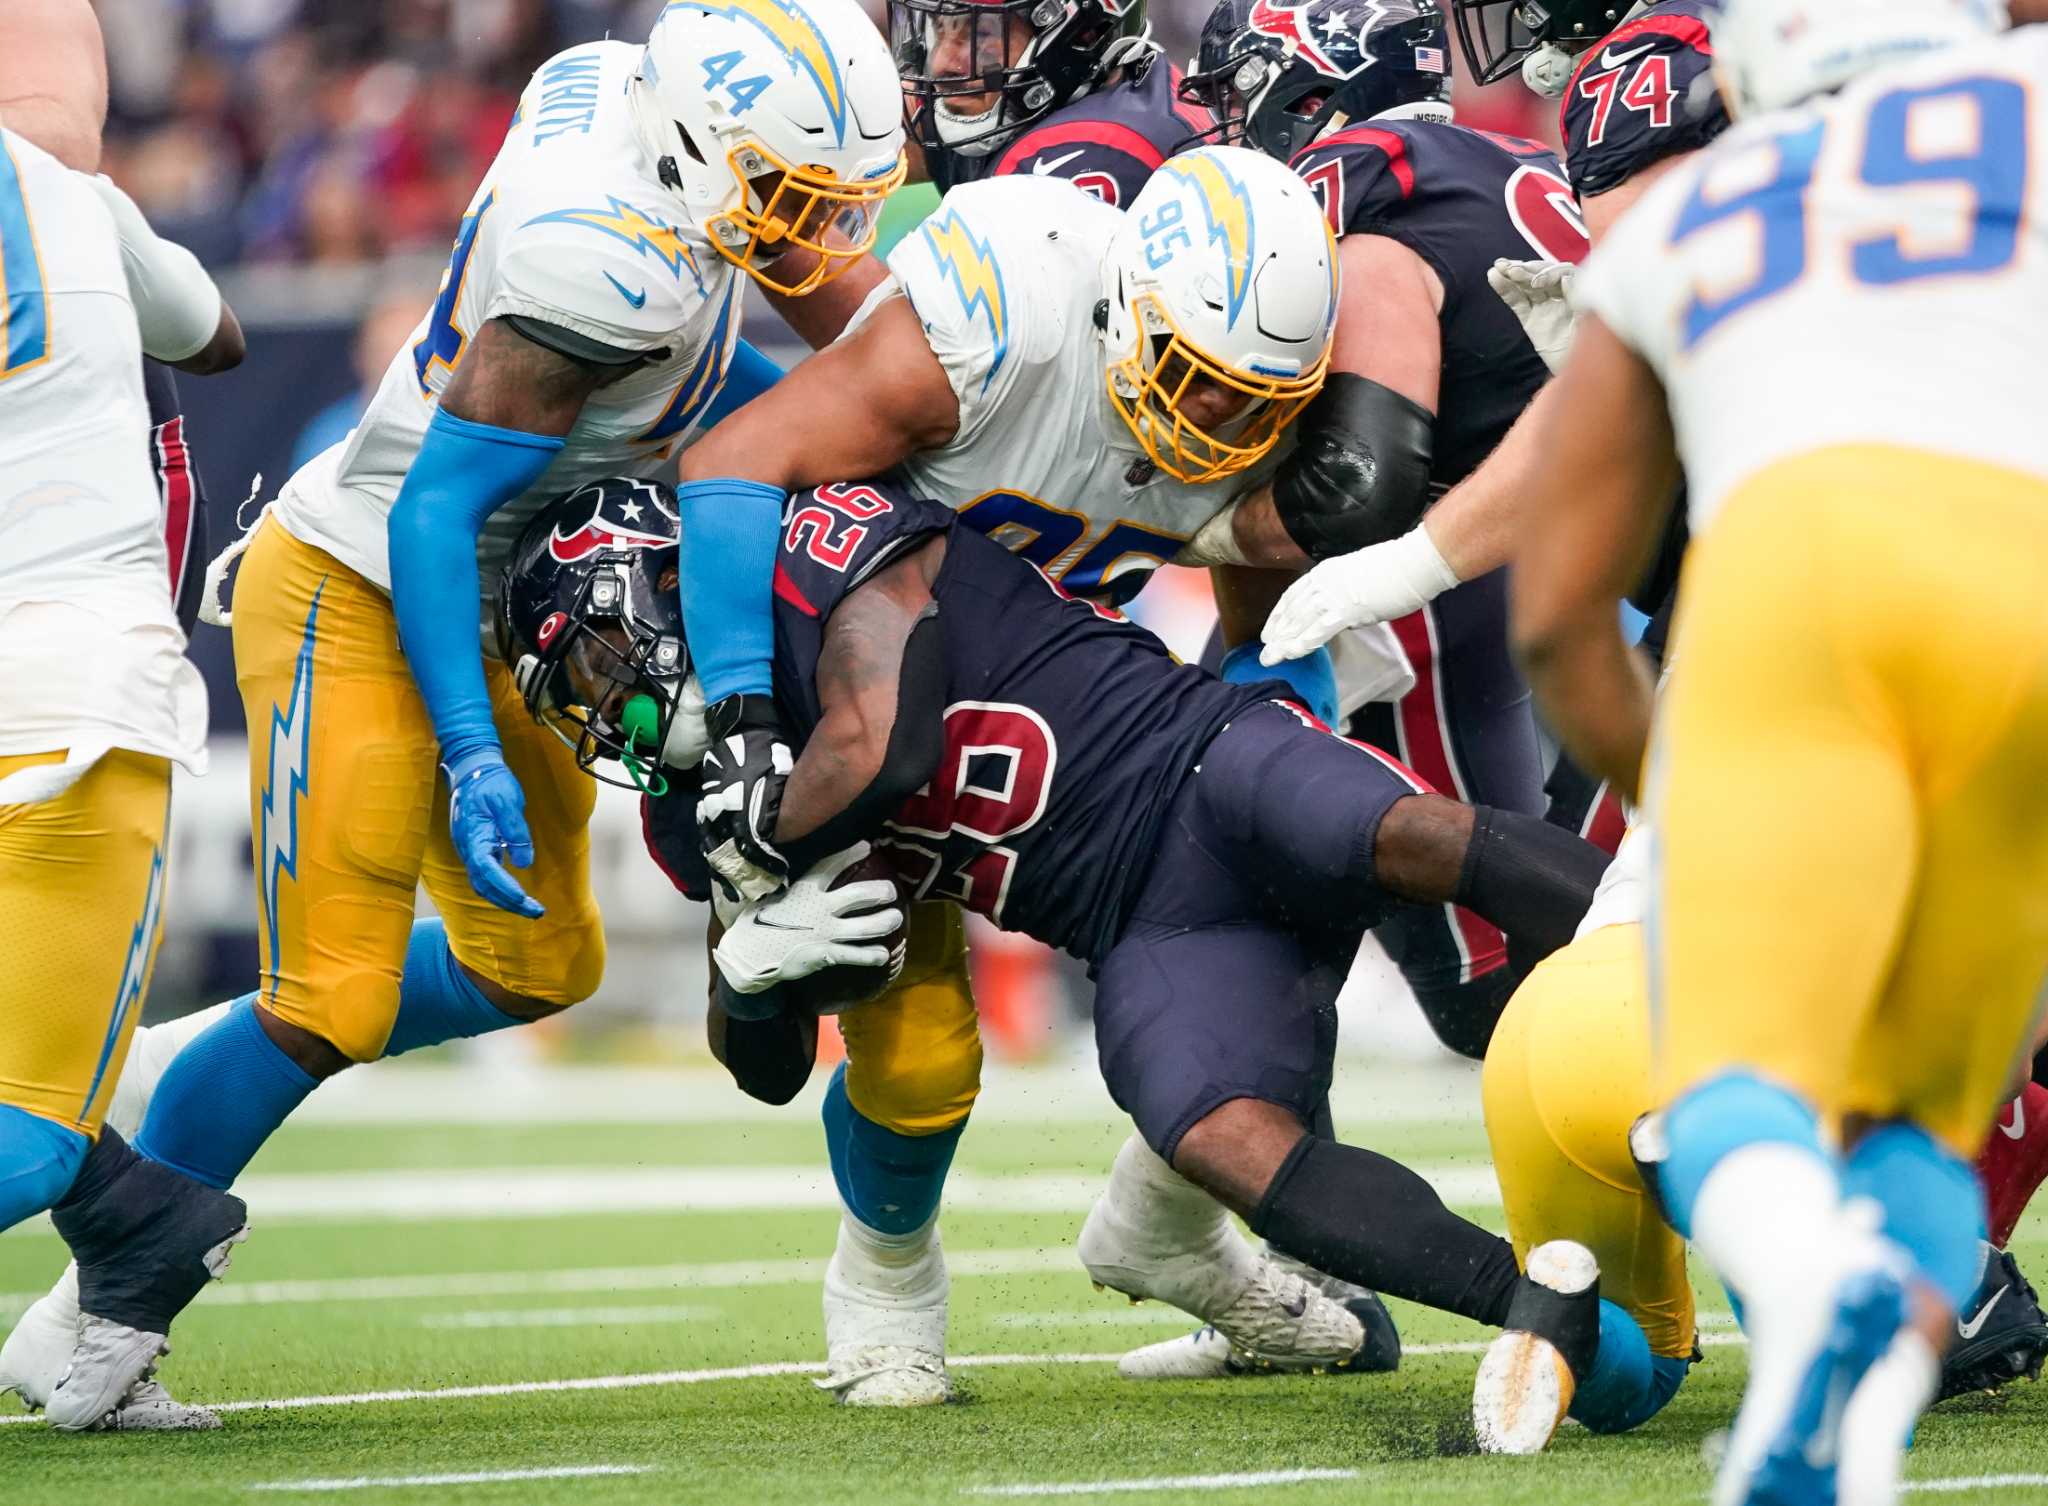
[1720, 1115]
[39, 1159]
[1932, 1203]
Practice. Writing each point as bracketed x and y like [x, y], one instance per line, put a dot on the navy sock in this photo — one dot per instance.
[220, 1099]
[889, 1181]
[39, 1158]
[437, 1001]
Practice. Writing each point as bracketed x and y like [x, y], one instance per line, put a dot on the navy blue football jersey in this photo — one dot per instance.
[1459, 199]
[1107, 142]
[1645, 93]
[182, 497]
[1068, 727]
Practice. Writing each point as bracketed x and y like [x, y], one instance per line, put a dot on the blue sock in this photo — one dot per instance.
[1724, 1114]
[220, 1099]
[38, 1160]
[889, 1181]
[436, 1000]
[1629, 1385]
[1932, 1205]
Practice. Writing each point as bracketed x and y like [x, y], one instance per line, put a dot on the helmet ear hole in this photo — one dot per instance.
[689, 143]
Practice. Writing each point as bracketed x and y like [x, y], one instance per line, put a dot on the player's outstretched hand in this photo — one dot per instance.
[487, 819]
[1375, 584]
[745, 768]
[1539, 294]
[810, 926]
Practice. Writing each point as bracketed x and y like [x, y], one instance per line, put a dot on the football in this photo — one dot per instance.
[842, 986]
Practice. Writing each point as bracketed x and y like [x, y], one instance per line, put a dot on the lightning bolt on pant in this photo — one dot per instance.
[81, 904]
[348, 814]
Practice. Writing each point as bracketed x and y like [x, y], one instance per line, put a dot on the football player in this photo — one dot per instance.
[1010, 747]
[588, 324]
[1847, 949]
[1428, 371]
[1089, 387]
[1081, 92]
[101, 702]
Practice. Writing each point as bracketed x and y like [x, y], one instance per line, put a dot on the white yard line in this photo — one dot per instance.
[474, 1477]
[567, 1317]
[581, 1191]
[1977, 1482]
[606, 1279]
[1164, 1482]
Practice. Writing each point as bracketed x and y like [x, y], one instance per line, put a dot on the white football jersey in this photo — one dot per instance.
[1005, 275]
[570, 227]
[91, 654]
[1863, 271]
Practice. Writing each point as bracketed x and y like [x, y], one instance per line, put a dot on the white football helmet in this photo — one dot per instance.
[1223, 274]
[779, 124]
[1771, 54]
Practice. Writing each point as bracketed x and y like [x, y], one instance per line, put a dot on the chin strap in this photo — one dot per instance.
[1548, 70]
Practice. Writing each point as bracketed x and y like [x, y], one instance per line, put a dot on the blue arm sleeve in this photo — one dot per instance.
[730, 532]
[1312, 677]
[463, 473]
[751, 375]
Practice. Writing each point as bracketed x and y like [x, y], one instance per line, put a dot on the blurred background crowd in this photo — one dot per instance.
[318, 154]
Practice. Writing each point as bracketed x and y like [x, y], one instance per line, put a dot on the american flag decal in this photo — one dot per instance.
[1430, 60]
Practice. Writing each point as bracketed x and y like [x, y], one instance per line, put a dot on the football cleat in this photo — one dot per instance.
[1529, 1374]
[885, 1324]
[38, 1351]
[2001, 1336]
[1209, 1354]
[1807, 1357]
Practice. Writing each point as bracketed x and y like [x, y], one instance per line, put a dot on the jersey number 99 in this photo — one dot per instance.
[1989, 114]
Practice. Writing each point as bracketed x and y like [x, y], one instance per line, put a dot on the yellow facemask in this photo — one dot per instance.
[803, 213]
[1149, 395]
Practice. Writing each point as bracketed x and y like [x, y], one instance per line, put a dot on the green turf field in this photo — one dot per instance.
[603, 1327]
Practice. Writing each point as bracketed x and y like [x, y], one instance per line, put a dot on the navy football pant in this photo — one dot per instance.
[1224, 981]
[1468, 727]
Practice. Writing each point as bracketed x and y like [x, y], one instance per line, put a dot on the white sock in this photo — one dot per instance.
[1880, 1417]
[149, 1053]
[888, 1270]
[1153, 1233]
[1766, 1218]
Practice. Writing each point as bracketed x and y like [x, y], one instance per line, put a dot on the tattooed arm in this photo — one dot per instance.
[881, 685]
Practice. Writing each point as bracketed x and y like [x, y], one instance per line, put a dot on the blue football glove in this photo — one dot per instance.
[487, 820]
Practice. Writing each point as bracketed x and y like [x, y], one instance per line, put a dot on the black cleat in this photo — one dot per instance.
[2001, 1336]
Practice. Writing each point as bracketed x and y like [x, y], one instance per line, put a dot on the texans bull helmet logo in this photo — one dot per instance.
[620, 515]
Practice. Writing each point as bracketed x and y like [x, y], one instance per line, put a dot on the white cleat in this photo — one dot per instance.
[110, 1360]
[38, 1351]
[149, 1408]
[885, 1319]
[1277, 1323]
[1525, 1384]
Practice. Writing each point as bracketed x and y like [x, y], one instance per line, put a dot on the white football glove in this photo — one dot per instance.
[1375, 584]
[809, 926]
[1539, 294]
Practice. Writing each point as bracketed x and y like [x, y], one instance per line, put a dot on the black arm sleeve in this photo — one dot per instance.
[917, 741]
[1359, 473]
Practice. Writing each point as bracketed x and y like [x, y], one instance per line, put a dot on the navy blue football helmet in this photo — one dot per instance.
[590, 623]
[1496, 35]
[1279, 76]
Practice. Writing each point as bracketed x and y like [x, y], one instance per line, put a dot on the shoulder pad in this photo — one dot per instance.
[1358, 174]
[1644, 94]
[978, 274]
[835, 537]
[605, 268]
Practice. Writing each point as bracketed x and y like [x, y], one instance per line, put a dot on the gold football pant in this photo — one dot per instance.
[913, 1056]
[349, 814]
[1567, 1073]
[81, 902]
[1847, 780]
